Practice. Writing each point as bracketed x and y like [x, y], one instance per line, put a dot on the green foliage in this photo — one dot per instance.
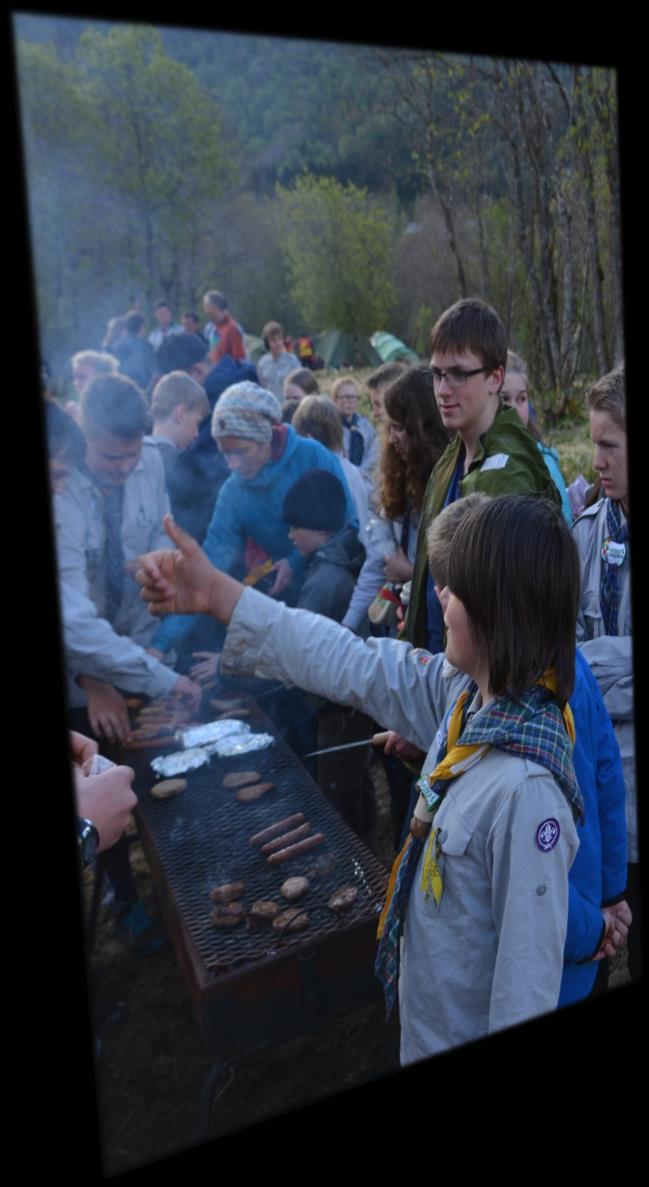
[507, 169]
[423, 325]
[337, 243]
[125, 160]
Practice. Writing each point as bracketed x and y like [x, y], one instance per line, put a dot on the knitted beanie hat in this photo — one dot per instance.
[316, 501]
[246, 410]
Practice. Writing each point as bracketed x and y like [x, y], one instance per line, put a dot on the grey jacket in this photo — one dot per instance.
[491, 955]
[610, 656]
[93, 646]
[331, 573]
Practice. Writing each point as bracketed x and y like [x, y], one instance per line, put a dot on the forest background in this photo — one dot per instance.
[323, 185]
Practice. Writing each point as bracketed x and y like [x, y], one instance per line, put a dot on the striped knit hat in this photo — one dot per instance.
[246, 410]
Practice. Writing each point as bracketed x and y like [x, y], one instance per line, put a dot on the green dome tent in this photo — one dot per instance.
[338, 349]
[391, 349]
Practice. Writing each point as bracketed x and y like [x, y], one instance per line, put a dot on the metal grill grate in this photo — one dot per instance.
[202, 839]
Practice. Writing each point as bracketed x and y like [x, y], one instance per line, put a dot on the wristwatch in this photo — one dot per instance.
[88, 840]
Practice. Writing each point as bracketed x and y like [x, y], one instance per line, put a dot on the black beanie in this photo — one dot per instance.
[316, 501]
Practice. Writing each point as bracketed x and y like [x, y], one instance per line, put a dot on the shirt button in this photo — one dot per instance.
[541, 889]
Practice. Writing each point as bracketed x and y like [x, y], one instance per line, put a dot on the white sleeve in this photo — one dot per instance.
[92, 647]
[401, 687]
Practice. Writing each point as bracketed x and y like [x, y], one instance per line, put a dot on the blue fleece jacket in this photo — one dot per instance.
[598, 874]
[251, 509]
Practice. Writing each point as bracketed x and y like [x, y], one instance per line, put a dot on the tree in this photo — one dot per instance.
[337, 243]
[161, 150]
[125, 160]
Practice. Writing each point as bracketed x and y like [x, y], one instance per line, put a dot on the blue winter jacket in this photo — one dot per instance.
[598, 875]
[251, 508]
[551, 459]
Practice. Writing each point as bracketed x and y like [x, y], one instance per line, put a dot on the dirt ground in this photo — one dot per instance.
[150, 1061]
[151, 1065]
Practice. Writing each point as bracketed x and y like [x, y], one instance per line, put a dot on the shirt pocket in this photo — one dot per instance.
[452, 842]
[140, 519]
[594, 623]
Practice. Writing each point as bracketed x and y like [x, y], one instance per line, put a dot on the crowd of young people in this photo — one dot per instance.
[504, 673]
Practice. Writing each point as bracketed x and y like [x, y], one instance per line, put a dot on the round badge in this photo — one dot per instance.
[547, 834]
[612, 552]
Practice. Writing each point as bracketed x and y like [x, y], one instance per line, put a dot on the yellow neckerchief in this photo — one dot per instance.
[459, 759]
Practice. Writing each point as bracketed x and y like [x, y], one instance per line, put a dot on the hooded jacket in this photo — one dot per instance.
[331, 574]
[506, 462]
[251, 509]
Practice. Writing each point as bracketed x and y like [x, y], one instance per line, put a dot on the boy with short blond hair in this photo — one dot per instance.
[178, 406]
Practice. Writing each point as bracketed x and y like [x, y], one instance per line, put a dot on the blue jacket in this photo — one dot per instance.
[251, 508]
[598, 874]
[551, 459]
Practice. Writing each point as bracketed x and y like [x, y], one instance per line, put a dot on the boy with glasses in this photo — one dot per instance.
[490, 450]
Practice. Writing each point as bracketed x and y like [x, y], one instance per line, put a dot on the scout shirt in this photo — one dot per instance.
[110, 651]
[508, 833]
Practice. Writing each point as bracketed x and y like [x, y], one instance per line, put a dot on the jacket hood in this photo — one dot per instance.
[343, 549]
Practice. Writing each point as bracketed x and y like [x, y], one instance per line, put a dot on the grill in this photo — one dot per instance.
[250, 988]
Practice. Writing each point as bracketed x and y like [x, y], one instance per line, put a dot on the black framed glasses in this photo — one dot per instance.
[455, 376]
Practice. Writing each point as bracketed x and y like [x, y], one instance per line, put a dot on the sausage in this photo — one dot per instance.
[161, 791]
[296, 834]
[274, 829]
[149, 743]
[295, 850]
[245, 795]
[238, 778]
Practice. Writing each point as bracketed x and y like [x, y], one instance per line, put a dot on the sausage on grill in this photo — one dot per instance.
[295, 850]
[296, 834]
[245, 795]
[238, 778]
[281, 826]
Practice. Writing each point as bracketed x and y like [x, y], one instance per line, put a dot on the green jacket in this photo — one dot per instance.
[506, 462]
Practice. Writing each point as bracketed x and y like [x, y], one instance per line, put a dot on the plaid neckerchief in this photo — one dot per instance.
[533, 727]
[618, 533]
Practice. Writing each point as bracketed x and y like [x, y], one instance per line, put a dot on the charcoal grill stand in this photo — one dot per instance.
[253, 991]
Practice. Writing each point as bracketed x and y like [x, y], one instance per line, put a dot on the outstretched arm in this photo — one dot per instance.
[184, 581]
[394, 684]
